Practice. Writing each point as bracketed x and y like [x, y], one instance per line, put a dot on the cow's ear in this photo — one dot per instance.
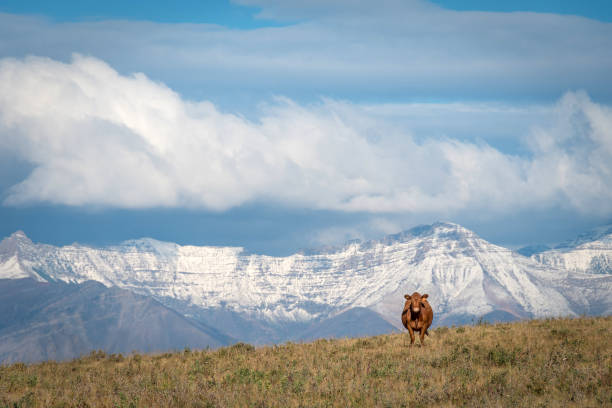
[407, 297]
[425, 296]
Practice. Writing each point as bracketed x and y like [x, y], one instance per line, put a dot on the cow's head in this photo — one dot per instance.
[415, 301]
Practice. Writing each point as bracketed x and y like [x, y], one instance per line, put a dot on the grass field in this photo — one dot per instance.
[547, 363]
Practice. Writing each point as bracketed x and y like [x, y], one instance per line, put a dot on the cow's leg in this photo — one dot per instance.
[411, 335]
[423, 336]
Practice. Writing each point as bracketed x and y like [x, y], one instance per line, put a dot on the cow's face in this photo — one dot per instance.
[415, 301]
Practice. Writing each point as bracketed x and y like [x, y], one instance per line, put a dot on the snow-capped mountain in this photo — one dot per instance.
[465, 276]
[590, 253]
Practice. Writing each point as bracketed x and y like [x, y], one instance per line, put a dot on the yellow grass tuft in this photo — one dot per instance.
[553, 362]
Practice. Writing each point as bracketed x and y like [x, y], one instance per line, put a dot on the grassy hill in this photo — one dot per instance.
[554, 362]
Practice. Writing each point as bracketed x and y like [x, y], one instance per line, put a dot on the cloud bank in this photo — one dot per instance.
[96, 137]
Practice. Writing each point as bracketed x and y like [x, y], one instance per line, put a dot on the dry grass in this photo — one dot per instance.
[555, 362]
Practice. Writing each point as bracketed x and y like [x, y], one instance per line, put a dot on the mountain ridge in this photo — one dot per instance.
[590, 252]
[41, 321]
[465, 276]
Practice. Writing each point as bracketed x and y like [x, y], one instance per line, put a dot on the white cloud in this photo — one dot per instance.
[356, 49]
[96, 137]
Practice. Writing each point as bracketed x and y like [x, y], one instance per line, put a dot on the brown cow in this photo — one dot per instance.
[417, 315]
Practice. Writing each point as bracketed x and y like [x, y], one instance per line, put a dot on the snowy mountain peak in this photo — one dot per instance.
[13, 250]
[438, 231]
[464, 275]
[15, 240]
[595, 234]
[149, 245]
[591, 253]
[15, 245]
[19, 234]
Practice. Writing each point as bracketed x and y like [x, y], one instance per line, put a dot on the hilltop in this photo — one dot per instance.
[552, 362]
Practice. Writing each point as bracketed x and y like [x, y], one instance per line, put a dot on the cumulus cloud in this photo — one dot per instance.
[97, 137]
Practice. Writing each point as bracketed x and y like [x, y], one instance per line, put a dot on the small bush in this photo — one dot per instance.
[97, 355]
[499, 378]
[115, 357]
[560, 333]
[243, 347]
[500, 356]
[32, 380]
[364, 343]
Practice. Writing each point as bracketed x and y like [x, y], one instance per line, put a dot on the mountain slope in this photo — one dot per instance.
[535, 363]
[263, 299]
[356, 322]
[589, 253]
[41, 321]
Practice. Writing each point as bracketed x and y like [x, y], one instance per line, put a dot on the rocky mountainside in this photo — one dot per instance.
[589, 253]
[261, 299]
[41, 321]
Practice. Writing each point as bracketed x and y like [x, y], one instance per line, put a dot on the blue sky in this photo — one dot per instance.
[233, 15]
[186, 11]
[279, 125]
[594, 9]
